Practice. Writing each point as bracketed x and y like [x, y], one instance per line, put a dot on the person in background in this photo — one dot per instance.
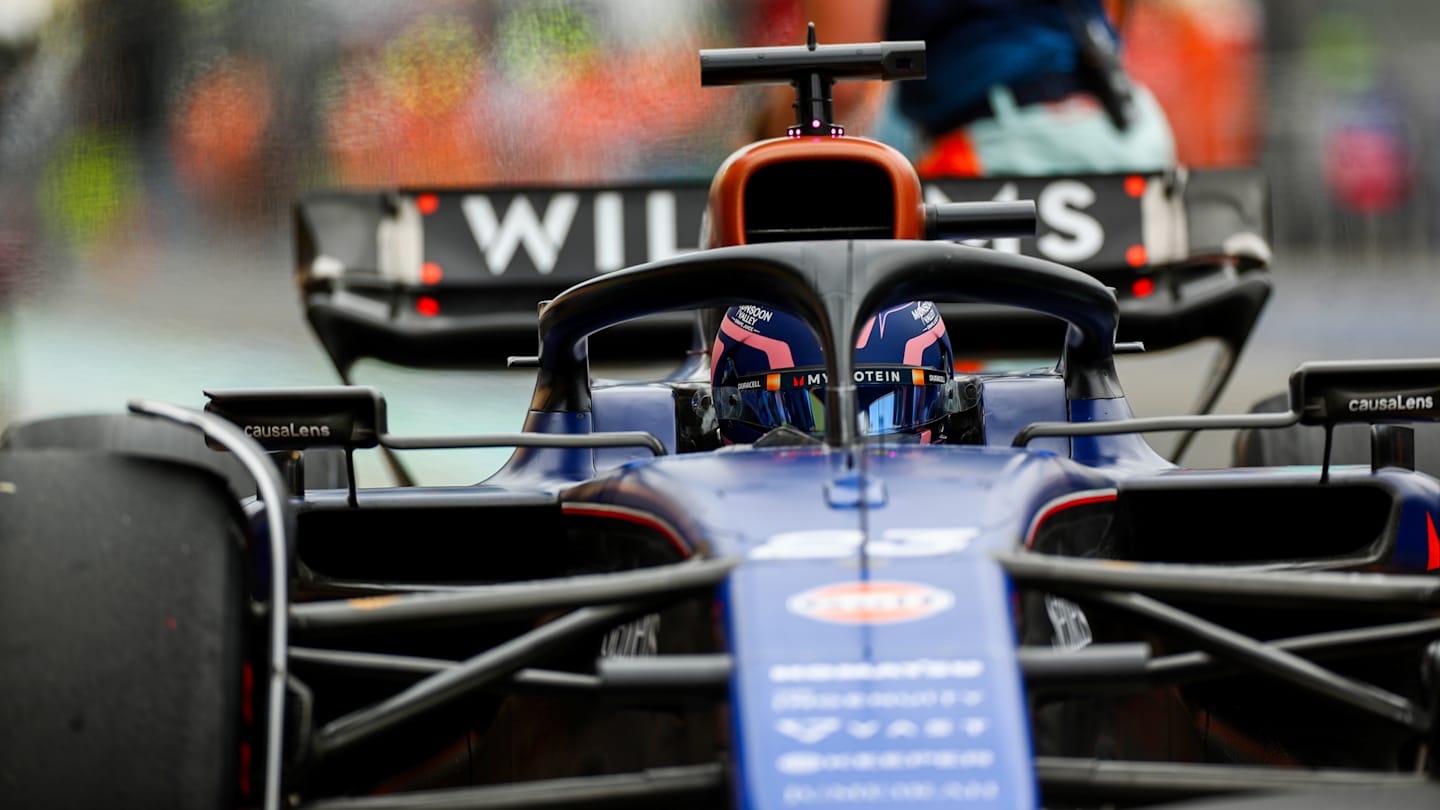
[1012, 87]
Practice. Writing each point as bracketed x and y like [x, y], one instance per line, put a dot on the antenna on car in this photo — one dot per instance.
[812, 69]
[814, 106]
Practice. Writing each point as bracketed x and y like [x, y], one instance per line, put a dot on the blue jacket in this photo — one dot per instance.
[971, 45]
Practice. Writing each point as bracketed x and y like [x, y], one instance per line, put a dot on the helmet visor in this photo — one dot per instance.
[892, 399]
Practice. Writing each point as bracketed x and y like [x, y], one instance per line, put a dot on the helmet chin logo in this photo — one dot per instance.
[882, 602]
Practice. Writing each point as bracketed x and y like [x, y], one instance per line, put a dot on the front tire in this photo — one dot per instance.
[122, 627]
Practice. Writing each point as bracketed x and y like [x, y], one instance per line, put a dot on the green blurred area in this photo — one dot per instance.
[151, 151]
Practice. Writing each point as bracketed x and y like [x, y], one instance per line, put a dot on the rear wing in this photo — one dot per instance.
[452, 278]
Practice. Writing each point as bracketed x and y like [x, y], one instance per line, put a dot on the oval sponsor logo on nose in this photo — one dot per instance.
[871, 602]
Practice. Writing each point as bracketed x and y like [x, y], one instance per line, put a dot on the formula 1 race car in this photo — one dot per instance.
[639, 610]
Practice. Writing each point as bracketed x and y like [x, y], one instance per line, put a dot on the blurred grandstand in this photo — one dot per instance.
[227, 108]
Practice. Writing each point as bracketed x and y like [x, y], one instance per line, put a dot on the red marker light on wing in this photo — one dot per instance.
[1135, 256]
[431, 273]
[427, 203]
[427, 306]
[1142, 287]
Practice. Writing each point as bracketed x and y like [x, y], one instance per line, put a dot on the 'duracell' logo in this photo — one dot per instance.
[871, 602]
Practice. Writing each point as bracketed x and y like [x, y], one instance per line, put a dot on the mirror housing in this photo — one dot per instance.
[1332, 392]
[350, 417]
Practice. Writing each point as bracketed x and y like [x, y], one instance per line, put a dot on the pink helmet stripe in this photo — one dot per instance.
[776, 351]
[915, 347]
[715, 351]
[865, 333]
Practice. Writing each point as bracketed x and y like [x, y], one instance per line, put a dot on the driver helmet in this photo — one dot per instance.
[768, 371]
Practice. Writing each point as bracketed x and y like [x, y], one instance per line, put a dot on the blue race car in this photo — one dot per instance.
[844, 553]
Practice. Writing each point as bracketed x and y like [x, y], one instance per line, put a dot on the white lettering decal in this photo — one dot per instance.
[830, 544]
[802, 763]
[805, 699]
[542, 240]
[862, 729]
[863, 376]
[1393, 403]
[919, 669]
[926, 313]
[797, 794]
[750, 316]
[1075, 236]
[902, 728]
[660, 239]
[937, 727]
[609, 232]
[638, 638]
[809, 730]
[290, 431]
[1067, 619]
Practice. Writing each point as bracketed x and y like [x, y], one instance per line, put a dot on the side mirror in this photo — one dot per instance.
[350, 417]
[1329, 393]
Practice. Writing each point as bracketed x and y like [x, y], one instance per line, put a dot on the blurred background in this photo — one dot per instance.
[150, 151]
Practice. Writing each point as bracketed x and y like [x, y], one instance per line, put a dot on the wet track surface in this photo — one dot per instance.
[186, 315]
